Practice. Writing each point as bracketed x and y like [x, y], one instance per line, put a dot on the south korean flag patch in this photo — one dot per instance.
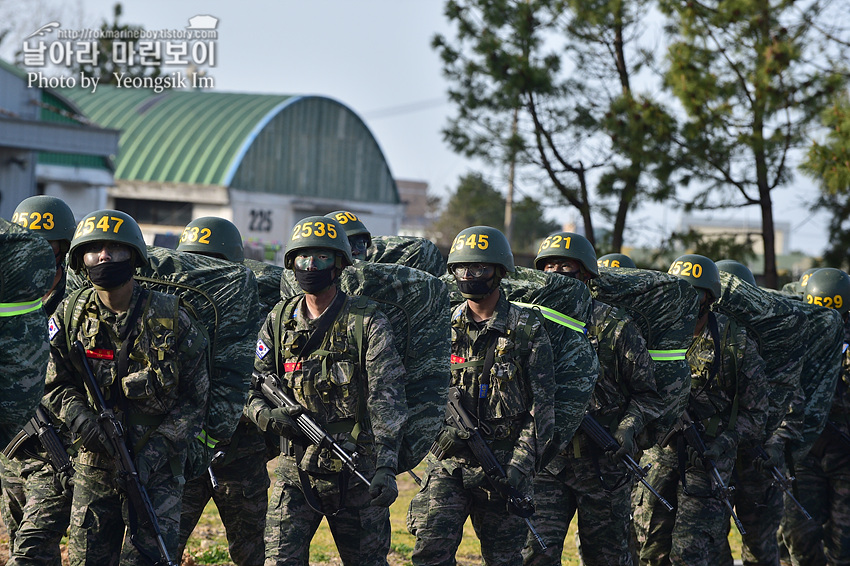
[52, 328]
[262, 349]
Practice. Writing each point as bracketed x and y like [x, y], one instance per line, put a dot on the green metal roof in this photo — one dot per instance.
[311, 146]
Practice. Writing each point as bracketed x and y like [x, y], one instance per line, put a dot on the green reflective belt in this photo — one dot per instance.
[15, 309]
[667, 355]
[206, 439]
[556, 317]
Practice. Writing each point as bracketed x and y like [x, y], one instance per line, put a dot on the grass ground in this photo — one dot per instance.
[208, 545]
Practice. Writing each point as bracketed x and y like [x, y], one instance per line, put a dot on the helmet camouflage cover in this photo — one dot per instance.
[212, 235]
[109, 226]
[829, 287]
[567, 245]
[481, 244]
[318, 232]
[699, 271]
[51, 217]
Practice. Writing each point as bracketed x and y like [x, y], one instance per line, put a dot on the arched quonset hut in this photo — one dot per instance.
[263, 161]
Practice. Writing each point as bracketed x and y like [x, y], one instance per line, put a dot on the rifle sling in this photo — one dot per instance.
[484, 379]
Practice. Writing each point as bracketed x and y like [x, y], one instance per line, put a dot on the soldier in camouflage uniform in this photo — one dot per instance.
[823, 476]
[624, 400]
[514, 403]
[355, 393]
[691, 533]
[240, 466]
[36, 503]
[758, 502]
[159, 389]
[359, 237]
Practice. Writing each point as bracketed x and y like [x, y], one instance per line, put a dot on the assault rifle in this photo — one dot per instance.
[607, 443]
[458, 417]
[127, 473]
[781, 481]
[691, 434]
[41, 427]
[269, 385]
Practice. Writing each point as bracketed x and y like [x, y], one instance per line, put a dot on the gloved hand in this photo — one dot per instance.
[776, 457]
[625, 437]
[383, 489]
[280, 421]
[92, 434]
[451, 441]
[724, 447]
[514, 478]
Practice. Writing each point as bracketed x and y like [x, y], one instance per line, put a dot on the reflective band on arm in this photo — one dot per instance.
[667, 355]
[207, 439]
[556, 317]
[15, 309]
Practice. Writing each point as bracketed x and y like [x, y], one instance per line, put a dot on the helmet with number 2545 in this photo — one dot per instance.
[481, 244]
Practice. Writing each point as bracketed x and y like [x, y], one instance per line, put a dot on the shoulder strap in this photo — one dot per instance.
[71, 322]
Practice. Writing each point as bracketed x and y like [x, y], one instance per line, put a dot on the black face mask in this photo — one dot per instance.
[314, 281]
[476, 289]
[110, 275]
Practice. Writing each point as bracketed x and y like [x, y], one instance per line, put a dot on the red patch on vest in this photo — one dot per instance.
[100, 354]
[457, 359]
[291, 366]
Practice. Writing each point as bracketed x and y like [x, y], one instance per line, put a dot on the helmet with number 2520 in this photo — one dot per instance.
[481, 244]
[108, 226]
[318, 232]
[699, 271]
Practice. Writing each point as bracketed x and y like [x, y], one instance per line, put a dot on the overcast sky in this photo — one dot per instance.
[375, 57]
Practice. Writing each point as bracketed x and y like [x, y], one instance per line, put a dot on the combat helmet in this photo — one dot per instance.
[481, 244]
[568, 245]
[829, 287]
[699, 271]
[737, 269]
[111, 226]
[353, 226]
[211, 235]
[51, 217]
[616, 260]
[318, 232]
[804, 278]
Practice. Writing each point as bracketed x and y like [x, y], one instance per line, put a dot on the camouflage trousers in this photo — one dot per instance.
[691, 534]
[823, 488]
[37, 510]
[759, 506]
[241, 498]
[603, 516]
[439, 510]
[100, 512]
[361, 532]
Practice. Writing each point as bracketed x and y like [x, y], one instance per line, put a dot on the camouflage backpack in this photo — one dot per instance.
[564, 306]
[27, 274]
[417, 306]
[665, 309]
[222, 296]
[411, 251]
[268, 278]
[776, 324]
[822, 343]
